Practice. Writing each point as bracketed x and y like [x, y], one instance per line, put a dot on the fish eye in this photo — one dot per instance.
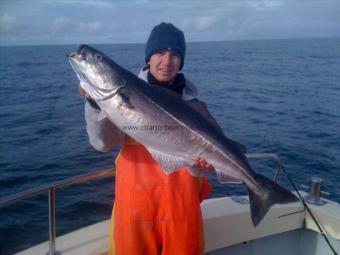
[98, 57]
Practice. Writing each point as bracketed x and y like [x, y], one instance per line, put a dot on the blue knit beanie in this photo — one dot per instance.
[165, 36]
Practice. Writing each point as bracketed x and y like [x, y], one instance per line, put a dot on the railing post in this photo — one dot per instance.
[267, 156]
[51, 188]
[51, 219]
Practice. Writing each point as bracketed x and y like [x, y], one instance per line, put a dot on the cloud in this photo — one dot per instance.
[7, 22]
[142, 1]
[91, 27]
[60, 22]
[90, 3]
[104, 21]
[121, 27]
[198, 23]
[266, 5]
[206, 22]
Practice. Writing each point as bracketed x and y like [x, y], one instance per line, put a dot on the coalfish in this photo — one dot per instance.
[171, 130]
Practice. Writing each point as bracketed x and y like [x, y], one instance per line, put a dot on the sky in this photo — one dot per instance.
[40, 22]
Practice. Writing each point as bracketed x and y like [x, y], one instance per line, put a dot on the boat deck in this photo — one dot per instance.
[286, 229]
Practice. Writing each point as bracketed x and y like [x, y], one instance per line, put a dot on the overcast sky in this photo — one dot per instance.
[29, 22]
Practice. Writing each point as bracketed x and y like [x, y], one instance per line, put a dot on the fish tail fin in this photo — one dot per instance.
[270, 193]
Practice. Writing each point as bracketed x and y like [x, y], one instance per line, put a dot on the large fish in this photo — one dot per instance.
[170, 129]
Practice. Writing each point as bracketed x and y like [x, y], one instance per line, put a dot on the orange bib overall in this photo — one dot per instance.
[155, 213]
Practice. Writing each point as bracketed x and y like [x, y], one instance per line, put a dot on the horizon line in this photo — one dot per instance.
[188, 42]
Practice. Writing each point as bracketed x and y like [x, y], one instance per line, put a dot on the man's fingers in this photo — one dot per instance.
[209, 167]
[200, 162]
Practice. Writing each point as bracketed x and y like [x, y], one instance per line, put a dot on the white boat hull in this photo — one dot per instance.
[286, 229]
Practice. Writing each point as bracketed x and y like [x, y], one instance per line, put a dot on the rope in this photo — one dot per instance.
[309, 211]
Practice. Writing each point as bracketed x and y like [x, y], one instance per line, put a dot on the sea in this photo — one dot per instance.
[274, 96]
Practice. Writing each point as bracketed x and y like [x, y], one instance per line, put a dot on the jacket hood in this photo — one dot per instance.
[190, 91]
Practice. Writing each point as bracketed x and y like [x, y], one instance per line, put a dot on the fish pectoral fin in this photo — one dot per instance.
[225, 178]
[124, 101]
[168, 163]
[102, 115]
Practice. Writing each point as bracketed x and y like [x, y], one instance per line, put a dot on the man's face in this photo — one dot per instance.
[164, 65]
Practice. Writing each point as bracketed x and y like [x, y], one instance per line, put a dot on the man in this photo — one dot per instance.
[154, 213]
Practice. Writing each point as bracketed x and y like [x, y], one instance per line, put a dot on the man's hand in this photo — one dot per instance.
[200, 162]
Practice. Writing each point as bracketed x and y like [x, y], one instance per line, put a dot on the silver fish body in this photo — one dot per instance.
[170, 129]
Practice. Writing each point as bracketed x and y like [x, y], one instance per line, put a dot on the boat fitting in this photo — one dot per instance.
[313, 196]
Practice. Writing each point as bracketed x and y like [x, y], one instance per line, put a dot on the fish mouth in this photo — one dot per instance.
[78, 55]
[78, 60]
[77, 63]
[72, 54]
[75, 56]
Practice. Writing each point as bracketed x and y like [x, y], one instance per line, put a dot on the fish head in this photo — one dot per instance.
[96, 72]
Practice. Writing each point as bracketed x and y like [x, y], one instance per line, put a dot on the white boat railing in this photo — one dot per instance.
[268, 156]
[51, 188]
